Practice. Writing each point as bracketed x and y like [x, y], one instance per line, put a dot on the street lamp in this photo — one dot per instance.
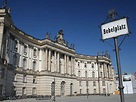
[87, 88]
[54, 99]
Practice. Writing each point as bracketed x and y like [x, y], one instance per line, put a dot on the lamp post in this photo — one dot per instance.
[119, 70]
[87, 88]
[54, 99]
[108, 32]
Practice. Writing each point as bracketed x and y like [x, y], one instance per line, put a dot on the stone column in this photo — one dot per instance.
[73, 66]
[65, 64]
[71, 69]
[21, 58]
[104, 74]
[46, 59]
[68, 65]
[1, 34]
[58, 61]
[49, 60]
[105, 71]
[55, 61]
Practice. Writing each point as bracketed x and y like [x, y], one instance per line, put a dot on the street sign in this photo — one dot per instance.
[114, 29]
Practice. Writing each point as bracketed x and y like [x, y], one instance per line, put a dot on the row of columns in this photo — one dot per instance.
[107, 70]
[54, 62]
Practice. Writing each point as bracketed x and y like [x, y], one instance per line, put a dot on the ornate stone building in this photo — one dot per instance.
[30, 67]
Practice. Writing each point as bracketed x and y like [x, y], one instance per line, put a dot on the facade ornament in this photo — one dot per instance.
[72, 46]
[4, 4]
[66, 43]
[9, 10]
[47, 36]
[59, 39]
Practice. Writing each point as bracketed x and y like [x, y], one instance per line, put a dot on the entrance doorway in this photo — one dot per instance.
[52, 88]
[71, 89]
[62, 88]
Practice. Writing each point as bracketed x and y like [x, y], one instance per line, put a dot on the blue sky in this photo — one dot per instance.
[80, 21]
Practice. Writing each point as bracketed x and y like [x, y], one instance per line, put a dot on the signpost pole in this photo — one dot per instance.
[119, 70]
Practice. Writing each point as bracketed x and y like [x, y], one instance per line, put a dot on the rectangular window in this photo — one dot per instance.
[80, 91]
[24, 63]
[2, 71]
[34, 79]
[93, 74]
[104, 91]
[15, 60]
[15, 45]
[78, 73]
[80, 83]
[0, 90]
[24, 78]
[85, 65]
[34, 65]
[34, 53]
[103, 83]
[94, 83]
[94, 91]
[86, 74]
[87, 83]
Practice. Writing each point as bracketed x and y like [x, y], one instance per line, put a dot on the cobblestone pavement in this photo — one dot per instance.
[111, 98]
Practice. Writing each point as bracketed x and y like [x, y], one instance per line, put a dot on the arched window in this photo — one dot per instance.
[35, 52]
[85, 65]
[25, 49]
[34, 91]
[23, 91]
[92, 65]
[24, 78]
[62, 88]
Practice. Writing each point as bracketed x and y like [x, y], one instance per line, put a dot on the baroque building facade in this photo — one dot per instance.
[31, 67]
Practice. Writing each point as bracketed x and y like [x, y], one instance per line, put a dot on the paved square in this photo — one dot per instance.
[91, 98]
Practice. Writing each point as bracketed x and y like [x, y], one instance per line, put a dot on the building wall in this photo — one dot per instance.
[129, 83]
[94, 74]
[35, 67]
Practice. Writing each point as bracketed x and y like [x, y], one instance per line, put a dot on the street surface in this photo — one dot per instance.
[91, 98]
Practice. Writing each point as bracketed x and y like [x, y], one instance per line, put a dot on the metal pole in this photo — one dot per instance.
[119, 70]
[87, 88]
[54, 91]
